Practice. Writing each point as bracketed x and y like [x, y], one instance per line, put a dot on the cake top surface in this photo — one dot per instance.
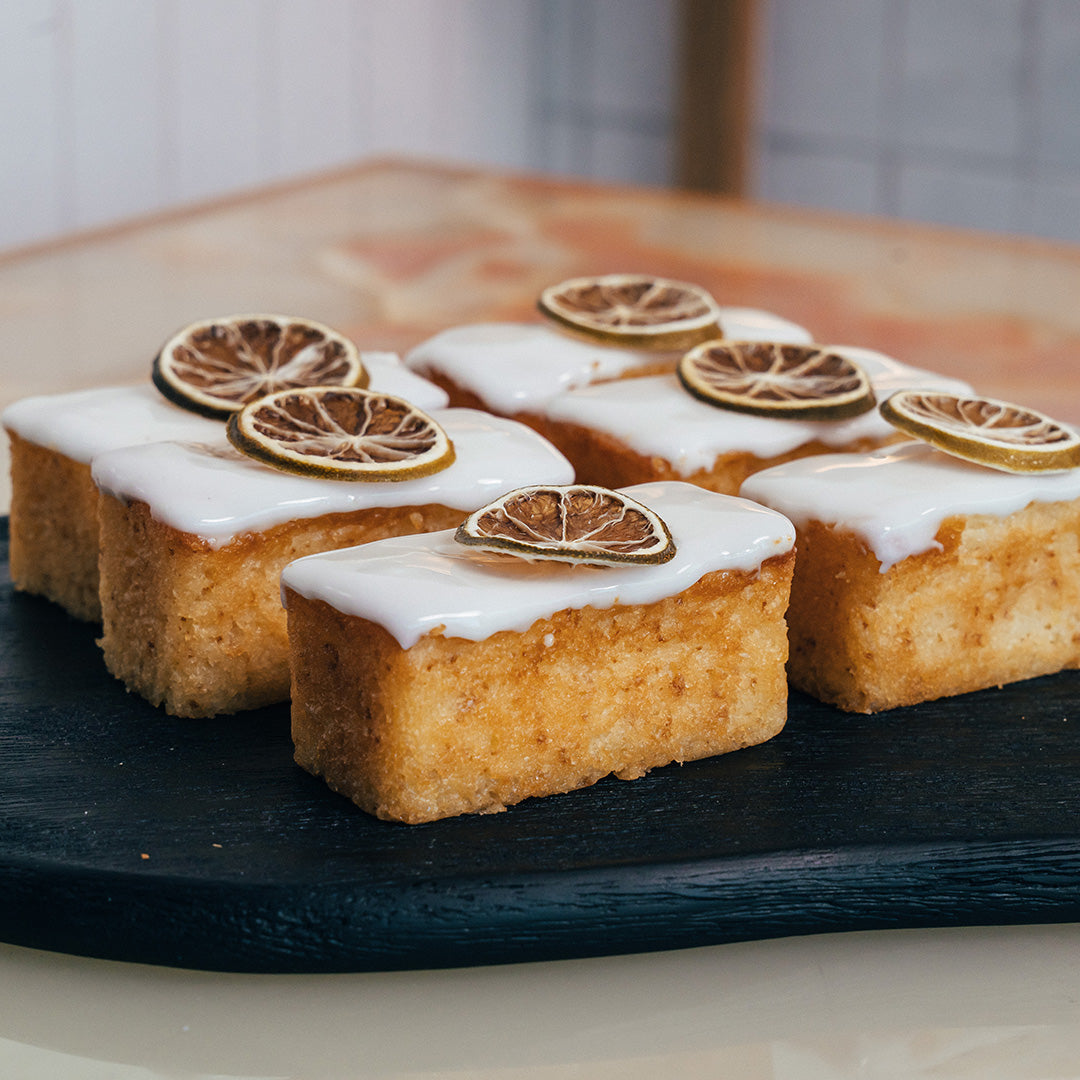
[414, 585]
[896, 498]
[692, 434]
[516, 367]
[85, 423]
[209, 490]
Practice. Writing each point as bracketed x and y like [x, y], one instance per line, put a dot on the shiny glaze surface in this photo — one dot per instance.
[209, 490]
[655, 416]
[516, 367]
[415, 584]
[897, 498]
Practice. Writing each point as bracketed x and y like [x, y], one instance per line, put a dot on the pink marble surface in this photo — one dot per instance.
[393, 251]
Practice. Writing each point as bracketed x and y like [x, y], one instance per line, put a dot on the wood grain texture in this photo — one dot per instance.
[951, 813]
[715, 106]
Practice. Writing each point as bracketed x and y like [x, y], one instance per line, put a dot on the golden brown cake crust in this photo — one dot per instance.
[451, 726]
[202, 631]
[601, 458]
[1000, 601]
[54, 528]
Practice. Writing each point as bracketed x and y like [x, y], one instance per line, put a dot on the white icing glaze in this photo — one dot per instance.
[209, 490]
[391, 376]
[895, 499]
[752, 324]
[415, 584]
[656, 417]
[85, 423]
[516, 367]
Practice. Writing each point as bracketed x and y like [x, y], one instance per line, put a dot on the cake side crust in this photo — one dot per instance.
[451, 726]
[201, 631]
[998, 602]
[601, 458]
[54, 528]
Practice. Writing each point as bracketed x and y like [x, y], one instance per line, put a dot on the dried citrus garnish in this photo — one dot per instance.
[633, 310]
[1003, 436]
[805, 382]
[216, 366]
[577, 523]
[341, 433]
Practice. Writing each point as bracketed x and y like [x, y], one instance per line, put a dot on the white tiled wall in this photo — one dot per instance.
[115, 108]
[963, 112]
[605, 88]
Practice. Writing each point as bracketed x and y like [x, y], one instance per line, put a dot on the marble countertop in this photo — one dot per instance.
[391, 252]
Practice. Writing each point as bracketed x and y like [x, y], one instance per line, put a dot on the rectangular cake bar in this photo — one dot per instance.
[194, 538]
[921, 576]
[431, 679]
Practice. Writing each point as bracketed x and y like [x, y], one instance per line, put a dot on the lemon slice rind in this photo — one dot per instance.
[1031, 443]
[647, 542]
[341, 433]
[776, 379]
[189, 378]
[614, 309]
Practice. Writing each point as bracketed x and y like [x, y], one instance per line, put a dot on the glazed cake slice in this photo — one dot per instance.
[54, 524]
[638, 430]
[431, 679]
[921, 576]
[194, 537]
[512, 369]
[54, 438]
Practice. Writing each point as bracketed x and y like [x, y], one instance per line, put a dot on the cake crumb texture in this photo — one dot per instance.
[451, 726]
[999, 601]
[54, 528]
[201, 631]
[601, 458]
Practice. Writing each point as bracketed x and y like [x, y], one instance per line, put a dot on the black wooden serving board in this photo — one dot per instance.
[128, 834]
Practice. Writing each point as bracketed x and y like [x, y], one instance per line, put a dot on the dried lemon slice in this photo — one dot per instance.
[216, 366]
[1007, 437]
[577, 523]
[634, 310]
[341, 433]
[805, 382]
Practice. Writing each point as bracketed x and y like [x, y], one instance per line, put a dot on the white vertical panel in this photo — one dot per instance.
[115, 105]
[402, 73]
[31, 203]
[565, 94]
[564, 47]
[500, 82]
[635, 43]
[313, 61]
[449, 108]
[220, 116]
[818, 176]
[1056, 119]
[823, 65]
[960, 84]
[632, 157]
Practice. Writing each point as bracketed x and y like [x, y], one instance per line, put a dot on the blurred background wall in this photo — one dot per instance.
[961, 112]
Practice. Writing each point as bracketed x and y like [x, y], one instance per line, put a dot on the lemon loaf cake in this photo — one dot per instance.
[194, 536]
[431, 679]
[638, 430]
[54, 438]
[920, 575]
[513, 368]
